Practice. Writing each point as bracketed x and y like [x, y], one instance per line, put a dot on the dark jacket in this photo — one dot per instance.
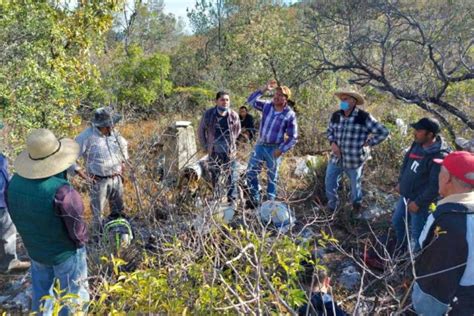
[445, 268]
[419, 174]
[248, 124]
[206, 131]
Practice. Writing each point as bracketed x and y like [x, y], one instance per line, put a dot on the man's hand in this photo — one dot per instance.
[82, 174]
[412, 207]
[277, 153]
[270, 85]
[89, 180]
[336, 150]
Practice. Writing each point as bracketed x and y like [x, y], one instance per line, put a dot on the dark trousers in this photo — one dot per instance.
[222, 166]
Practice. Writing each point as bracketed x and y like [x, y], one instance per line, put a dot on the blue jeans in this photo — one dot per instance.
[72, 276]
[263, 153]
[426, 304]
[416, 223]
[333, 180]
[221, 163]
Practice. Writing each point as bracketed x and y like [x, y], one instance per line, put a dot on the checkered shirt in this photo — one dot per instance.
[275, 125]
[103, 155]
[351, 135]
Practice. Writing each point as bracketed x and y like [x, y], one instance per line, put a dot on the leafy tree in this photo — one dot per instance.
[46, 70]
[147, 25]
[139, 80]
[419, 53]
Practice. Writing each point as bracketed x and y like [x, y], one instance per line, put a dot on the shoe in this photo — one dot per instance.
[17, 266]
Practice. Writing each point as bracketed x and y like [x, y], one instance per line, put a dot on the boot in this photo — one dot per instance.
[17, 266]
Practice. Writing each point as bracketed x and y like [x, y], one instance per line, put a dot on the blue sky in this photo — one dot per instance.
[178, 8]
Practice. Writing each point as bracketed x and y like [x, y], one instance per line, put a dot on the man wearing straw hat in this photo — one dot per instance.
[351, 132]
[48, 214]
[105, 153]
[278, 134]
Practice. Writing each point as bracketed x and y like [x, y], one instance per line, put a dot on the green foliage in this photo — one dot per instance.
[200, 284]
[153, 30]
[61, 299]
[46, 70]
[143, 79]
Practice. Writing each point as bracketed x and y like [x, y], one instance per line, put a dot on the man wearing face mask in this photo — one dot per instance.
[351, 131]
[218, 132]
[277, 135]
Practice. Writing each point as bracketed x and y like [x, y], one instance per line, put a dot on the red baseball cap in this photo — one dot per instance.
[460, 164]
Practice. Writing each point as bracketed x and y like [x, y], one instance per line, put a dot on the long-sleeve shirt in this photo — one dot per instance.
[69, 205]
[418, 178]
[275, 125]
[104, 155]
[207, 131]
[351, 133]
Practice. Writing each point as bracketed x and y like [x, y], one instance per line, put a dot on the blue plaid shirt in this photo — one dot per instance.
[274, 125]
[350, 134]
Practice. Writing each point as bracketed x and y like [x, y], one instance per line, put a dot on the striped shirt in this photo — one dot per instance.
[351, 133]
[274, 125]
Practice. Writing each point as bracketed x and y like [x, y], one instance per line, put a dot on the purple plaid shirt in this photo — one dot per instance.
[274, 125]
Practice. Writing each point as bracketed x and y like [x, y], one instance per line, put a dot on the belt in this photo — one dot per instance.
[268, 144]
[94, 176]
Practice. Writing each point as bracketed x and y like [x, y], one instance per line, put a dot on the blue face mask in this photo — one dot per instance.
[222, 109]
[344, 105]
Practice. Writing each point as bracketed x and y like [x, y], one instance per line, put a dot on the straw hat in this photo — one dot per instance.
[45, 155]
[359, 98]
[286, 91]
[105, 117]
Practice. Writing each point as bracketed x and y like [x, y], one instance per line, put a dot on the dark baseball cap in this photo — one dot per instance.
[428, 124]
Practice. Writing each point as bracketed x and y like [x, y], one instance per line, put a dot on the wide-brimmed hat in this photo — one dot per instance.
[359, 98]
[45, 155]
[105, 117]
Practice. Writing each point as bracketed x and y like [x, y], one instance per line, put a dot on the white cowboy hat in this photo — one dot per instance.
[45, 155]
[359, 98]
